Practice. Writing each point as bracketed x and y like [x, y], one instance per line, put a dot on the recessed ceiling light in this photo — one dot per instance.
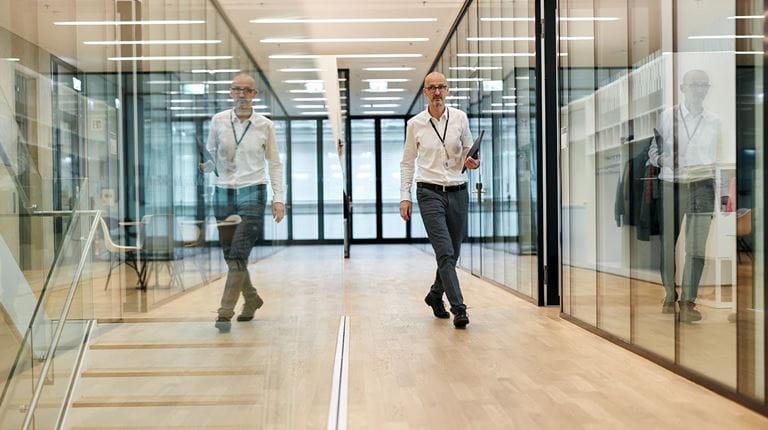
[384, 90]
[298, 70]
[314, 56]
[381, 105]
[380, 99]
[523, 78]
[218, 82]
[338, 20]
[588, 18]
[495, 19]
[457, 98]
[206, 101]
[151, 42]
[309, 99]
[461, 90]
[465, 79]
[472, 69]
[147, 22]
[388, 69]
[727, 36]
[509, 97]
[187, 108]
[503, 104]
[345, 40]
[378, 112]
[499, 54]
[212, 71]
[172, 58]
[497, 111]
[10, 59]
[387, 80]
[500, 39]
[315, 113]
[311, 107]
[306, 91]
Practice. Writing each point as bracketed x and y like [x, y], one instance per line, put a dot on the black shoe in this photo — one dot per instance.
[223, 325]
[460, 320]
[688, 313]
[438, 307]
[248, 311]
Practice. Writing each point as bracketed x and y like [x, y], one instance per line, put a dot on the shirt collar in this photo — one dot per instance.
[684, 112]
[429, 116]
[233, 117]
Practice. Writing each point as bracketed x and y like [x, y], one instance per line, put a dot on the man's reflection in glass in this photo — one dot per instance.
[241, 143]
[685, 149]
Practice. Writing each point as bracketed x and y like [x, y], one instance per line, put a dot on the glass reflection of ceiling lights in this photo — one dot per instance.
[465, 79]
[378, 112]
[388, 69]
[495, 54]
[381, 99]
[342, 56]
[457, 97]
[725, 36]
[345, 40]
[473, 69]
[139, 22]
[299, 70]
[501, 39]
[309, 99]
[173, 58]
[338, 20]
[214, 71]
[151, 42]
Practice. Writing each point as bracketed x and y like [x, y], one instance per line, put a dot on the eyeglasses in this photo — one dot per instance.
[432, 88]
[699, 85]
[242, 90]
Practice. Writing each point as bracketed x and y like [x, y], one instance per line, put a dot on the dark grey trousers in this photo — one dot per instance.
[237, 242]
[695, 202]
[445, 219]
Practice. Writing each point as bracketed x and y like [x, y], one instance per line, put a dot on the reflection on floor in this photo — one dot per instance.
[516, 365]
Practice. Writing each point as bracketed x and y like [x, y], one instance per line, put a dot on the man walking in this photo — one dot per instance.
[241, 143]
[436, 146]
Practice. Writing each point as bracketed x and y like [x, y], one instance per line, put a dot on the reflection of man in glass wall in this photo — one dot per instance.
[685, 150]
[437, 142]
[241, 143]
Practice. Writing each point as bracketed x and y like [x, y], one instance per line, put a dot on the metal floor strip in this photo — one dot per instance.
[337, 412]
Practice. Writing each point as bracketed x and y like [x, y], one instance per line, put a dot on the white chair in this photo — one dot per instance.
[120, 250]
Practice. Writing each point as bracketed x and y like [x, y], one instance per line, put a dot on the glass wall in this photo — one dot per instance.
[662, 164]
[490, 66]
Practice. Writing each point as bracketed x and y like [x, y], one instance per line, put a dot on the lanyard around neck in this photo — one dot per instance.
[445, 130]
[234, 133]
[685, 125]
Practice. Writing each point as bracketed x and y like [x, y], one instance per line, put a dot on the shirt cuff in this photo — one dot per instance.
[405, 195]
[277, 199]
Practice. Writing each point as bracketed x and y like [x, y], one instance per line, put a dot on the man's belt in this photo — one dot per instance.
[443, 188]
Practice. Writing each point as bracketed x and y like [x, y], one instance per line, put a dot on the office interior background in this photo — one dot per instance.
[105, 105]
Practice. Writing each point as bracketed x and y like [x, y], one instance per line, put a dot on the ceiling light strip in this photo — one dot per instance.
[345, 40]
[151, 42]
[337, 20]
[173, 58]
[147, 22]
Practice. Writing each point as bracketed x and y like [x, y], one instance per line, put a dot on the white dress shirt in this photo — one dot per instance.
[435, 162]
[698, 141]
[245, 164]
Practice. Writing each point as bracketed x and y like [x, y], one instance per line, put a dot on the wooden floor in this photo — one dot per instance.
[515, 366]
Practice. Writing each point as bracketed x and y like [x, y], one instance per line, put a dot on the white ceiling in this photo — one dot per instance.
[240, 12]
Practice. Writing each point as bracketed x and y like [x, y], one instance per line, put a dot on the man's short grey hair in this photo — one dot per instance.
[245, 75]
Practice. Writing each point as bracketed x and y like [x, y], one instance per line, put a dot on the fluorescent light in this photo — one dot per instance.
[381, 105]
[10, 59]
[315, 113]
[378, 112]
[314, 56]
[212, 71]
[302, 81]
[151, 42]
[500, 39]
[147, 22]
[387, 80]
[309, 99]
[172, 58]
[306, 91]
[387, 90]
[589, 18]
[388, 69]
[503, 104]
[218, 82]
[192, 115]
[500, 54]
[523, 78]
[299, 70]
[457, 98]
[461, 90]
[465, 79]
[508, 97]
[747, 17]
[521, 19]
[381, 99]
[726, 36]
[345, 40]
[577, 38]
[187, 108]
[222, 92]
[311, 106]
[206, 101]
[498, 111]
[472, 69]
[338, 20]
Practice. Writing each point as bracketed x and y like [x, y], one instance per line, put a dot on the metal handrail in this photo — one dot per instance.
[60, 325]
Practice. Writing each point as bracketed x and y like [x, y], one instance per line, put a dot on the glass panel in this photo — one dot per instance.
[332, 185]
[364, 179]
[304, 178]
[392, 138]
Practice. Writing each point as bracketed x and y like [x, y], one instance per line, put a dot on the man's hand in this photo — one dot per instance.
[405, 210]
[472, 163]
[278, 211]
[206, 167]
